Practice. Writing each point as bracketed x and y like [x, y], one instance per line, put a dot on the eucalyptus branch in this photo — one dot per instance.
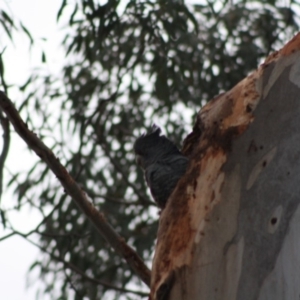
[6, 142]
[3, 82]
[73, 189]
[6, 130]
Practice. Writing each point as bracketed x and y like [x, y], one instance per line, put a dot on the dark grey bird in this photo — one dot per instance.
[162, 162]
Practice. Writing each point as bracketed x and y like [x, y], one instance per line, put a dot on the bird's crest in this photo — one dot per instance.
[154, 141]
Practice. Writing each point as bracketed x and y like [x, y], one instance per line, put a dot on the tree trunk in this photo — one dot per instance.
[231, 229]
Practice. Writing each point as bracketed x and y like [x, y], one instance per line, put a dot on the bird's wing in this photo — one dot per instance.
[163, 176]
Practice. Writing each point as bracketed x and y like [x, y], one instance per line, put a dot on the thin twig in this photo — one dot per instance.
[81, 273]
[6, 142]
[67, 235]
[69, 279]
[36, 229]
[50, 214]
[8, 236]
[71, 266]
[73, 189]
[119, 201]
[125, 176]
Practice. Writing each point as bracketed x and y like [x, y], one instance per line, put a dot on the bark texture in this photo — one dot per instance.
[231, 228]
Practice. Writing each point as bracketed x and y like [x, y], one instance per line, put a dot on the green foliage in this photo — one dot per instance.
[129, 64]
[9, 26]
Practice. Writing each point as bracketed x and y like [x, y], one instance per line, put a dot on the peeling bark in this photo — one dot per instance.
[229, 230]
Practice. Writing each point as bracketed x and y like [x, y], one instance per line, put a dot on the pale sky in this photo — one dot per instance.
[39, 16]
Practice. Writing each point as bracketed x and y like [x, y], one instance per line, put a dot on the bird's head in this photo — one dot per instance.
[152, 146]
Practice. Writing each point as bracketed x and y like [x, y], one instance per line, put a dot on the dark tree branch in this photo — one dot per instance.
[6, 142]
[3, 82]
[75, 191]
[6, 131]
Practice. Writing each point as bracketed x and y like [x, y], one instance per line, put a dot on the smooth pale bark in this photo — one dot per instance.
[231, 229]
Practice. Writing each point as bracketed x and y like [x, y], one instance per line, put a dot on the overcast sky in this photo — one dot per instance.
[40, 19]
